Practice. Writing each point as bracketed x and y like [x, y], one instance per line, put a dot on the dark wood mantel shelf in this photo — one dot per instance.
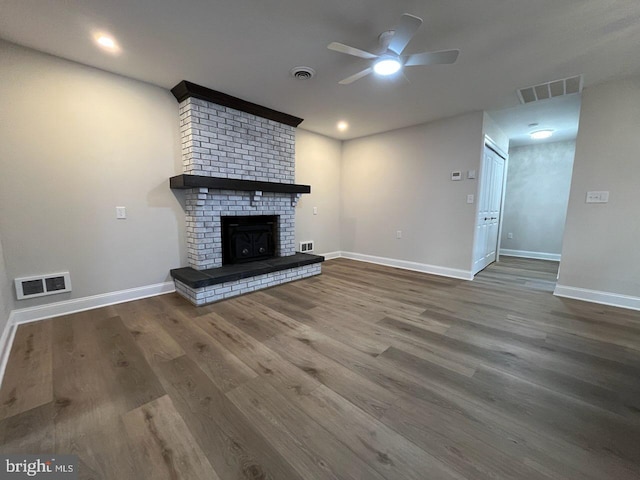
[200, 181]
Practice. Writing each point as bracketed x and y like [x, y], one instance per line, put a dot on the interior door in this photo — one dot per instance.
[489, 203]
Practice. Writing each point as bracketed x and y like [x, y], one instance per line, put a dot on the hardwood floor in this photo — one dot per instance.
[365, 372]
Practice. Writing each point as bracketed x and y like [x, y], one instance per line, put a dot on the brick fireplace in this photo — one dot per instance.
[239, 161]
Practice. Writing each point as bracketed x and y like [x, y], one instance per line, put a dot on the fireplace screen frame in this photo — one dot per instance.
[249, 233]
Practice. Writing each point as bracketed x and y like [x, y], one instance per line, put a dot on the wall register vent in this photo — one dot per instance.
[41, 285]
[556, 88]
[306, 247]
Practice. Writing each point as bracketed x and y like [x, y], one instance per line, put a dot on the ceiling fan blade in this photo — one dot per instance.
[356, 52]
[356, 76]
[432, 58]
[409, 25]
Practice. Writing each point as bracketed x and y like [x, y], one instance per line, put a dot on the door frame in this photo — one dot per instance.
[488, 141]
[492, 145]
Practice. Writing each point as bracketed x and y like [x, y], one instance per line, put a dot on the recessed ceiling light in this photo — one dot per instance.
[106, 42]
[541, 134]
[342, 126]
[387, 66]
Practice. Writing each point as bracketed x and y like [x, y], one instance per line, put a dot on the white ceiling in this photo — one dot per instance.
[247, 47]
[560, 114]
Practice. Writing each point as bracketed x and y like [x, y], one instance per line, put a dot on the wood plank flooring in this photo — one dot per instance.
[364, 372]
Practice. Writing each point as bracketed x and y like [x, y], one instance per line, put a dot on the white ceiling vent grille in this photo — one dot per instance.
[302, 73]
[556, 88]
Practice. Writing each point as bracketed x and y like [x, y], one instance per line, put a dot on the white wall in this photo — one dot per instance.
[74, 143]
[318, 161]
[400, 180]
[537, 193]
[601, 243]
[6, 293]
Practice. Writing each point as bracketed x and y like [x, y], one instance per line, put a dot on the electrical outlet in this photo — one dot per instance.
[121, 213]
[469, 198]
[509, 235]
[399, 234]
[315, 210]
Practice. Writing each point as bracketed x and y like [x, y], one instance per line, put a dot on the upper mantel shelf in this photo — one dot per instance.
[185, 90]
[200, 181]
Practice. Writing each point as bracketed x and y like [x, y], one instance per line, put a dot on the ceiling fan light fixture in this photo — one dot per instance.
[387, 66]
[106, 42]
[541, 134]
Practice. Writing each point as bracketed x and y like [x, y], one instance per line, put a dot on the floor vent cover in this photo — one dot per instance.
[556, 88]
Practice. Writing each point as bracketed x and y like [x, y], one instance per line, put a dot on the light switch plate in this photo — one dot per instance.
[597, 197]
[469, 198]
[121, 213]
[471, 174]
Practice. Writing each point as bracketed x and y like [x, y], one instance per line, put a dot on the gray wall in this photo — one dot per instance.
[535, 208]
[6, 293]
[491, 129]
[400, 180]
[601, 242]
[318, 160]
[75, 142]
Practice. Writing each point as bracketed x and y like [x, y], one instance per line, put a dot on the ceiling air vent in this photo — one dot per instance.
[556, 88]
[302, 73]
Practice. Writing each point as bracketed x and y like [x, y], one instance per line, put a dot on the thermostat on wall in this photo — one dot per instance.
[456, 175]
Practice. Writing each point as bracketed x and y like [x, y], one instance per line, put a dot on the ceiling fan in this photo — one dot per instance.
[392, 45]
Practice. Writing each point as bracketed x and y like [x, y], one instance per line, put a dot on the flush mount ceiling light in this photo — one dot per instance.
[541, 134]
[342, 126]
[387, 66]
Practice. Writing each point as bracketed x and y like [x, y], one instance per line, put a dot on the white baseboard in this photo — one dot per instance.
[406, 265]
[525, 254]
[6, 340]
[32, 314]
[331, 255]
[66, 307]
[596, 296]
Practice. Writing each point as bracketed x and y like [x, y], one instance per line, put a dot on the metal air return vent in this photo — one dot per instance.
[307, 246]
[556, 88]
[302, 73]
[40, 285]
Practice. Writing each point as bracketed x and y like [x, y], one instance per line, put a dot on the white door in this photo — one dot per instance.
[489, 203]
